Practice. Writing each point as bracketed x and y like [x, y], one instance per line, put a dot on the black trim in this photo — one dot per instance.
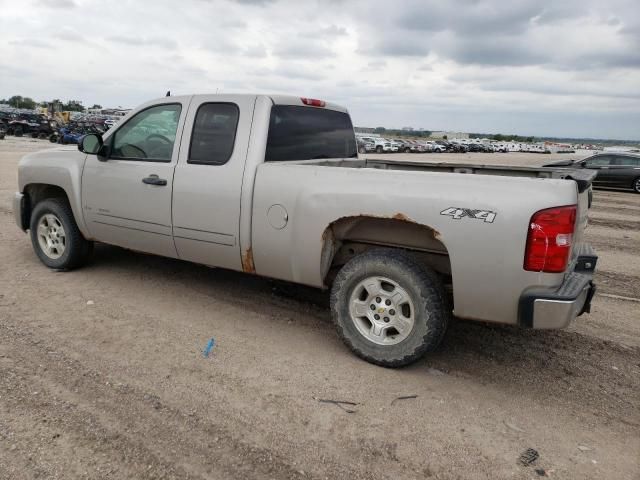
[571, 288]
[205, 241]
[235, 133]
[133, 220]
[25, 212]
[131, 228]
[204, 231]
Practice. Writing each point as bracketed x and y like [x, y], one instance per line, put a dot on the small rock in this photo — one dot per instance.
[583, 448]
[435, 371]
[594, 462]
[90, 302]
[615, 368]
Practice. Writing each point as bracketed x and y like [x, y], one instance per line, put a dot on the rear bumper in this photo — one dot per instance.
[20, 211]
[556, 309]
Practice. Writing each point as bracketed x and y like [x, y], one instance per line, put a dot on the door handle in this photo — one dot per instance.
[154, 180]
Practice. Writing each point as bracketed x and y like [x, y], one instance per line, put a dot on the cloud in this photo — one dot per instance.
[527, 66]
[30, 42]
[300, 50]
[136, 41]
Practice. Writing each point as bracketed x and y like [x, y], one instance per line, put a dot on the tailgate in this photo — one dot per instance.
[583, 179]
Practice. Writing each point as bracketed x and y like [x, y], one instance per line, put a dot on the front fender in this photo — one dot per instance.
[60, 168]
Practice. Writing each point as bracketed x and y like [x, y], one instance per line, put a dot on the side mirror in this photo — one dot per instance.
[91, 143]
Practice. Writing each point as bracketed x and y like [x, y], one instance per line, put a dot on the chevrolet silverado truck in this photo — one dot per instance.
[273, 186]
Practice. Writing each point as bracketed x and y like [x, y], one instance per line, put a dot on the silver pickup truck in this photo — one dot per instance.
[273, 186]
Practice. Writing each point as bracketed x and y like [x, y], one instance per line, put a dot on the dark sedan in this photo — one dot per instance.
[616, 170]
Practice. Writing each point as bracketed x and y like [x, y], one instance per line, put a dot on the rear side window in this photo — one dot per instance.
[626, 161]
[214, 133]
[306, 133]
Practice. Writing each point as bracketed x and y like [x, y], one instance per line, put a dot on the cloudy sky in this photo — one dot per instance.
[531, 67]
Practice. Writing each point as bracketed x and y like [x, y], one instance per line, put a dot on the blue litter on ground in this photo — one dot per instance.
[209, 347]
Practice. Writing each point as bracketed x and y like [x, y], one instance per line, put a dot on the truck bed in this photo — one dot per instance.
[582, 177]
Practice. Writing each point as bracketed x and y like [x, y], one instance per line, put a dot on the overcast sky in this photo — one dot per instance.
[531, 67]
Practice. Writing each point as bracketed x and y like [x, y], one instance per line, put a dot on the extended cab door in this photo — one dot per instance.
[126, 192]
[207, 185]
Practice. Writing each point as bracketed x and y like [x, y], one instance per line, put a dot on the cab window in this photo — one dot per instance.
[149, 135]
[214, 133]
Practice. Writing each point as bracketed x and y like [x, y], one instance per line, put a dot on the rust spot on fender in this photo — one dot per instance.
[247, 261]
[403, 217]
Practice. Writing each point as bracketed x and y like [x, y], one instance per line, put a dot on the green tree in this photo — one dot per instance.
[96, 106]
[73, 106]
[19, 101]
[380, 130]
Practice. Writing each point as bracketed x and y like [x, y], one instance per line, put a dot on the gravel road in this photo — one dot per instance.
[102, 376]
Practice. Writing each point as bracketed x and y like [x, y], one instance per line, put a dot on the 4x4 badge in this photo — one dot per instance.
[457, 213]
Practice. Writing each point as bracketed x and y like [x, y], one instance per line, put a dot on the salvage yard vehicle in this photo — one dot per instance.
[271, 185]
[615, 170]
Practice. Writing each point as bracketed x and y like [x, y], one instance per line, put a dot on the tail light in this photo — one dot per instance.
[313, 102]
[549, 239]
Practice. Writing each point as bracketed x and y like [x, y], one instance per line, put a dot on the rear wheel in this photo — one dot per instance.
[636, 185]
[55, 236]
[379, 149]
[389, 309]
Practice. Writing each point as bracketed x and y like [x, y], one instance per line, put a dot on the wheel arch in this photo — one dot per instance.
[349, 236]
[37, 192]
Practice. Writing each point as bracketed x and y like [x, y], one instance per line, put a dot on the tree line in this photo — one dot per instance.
[57, 105]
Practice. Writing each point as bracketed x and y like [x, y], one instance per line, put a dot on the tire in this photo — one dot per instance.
[636, 185]
[407, 150]
[52, 223]
[17, 131]
[362, 150]
[414, 291]
[379, 149]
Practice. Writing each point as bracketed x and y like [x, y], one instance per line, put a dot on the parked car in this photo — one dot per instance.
[404, 146]
[617, 170]
[270, 185]
[365, 146]
[381, 144]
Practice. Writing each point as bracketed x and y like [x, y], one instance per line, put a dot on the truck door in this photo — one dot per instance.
[126, 195]
[207, 184]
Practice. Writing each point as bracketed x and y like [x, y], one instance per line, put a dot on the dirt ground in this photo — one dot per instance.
[102, 376]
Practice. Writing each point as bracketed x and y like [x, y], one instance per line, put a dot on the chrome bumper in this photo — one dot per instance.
[557, 308]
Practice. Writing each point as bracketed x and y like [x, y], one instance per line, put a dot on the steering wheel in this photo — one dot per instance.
[129, 150]
[161, 137]
[158, 149]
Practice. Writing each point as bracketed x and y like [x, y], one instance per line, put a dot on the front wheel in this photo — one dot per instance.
[55, 236]
[389, 309]
[636, 185]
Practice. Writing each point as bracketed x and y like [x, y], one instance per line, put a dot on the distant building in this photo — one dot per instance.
[407, 129]
[116, 112]
[450, 135]
[364, 130]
